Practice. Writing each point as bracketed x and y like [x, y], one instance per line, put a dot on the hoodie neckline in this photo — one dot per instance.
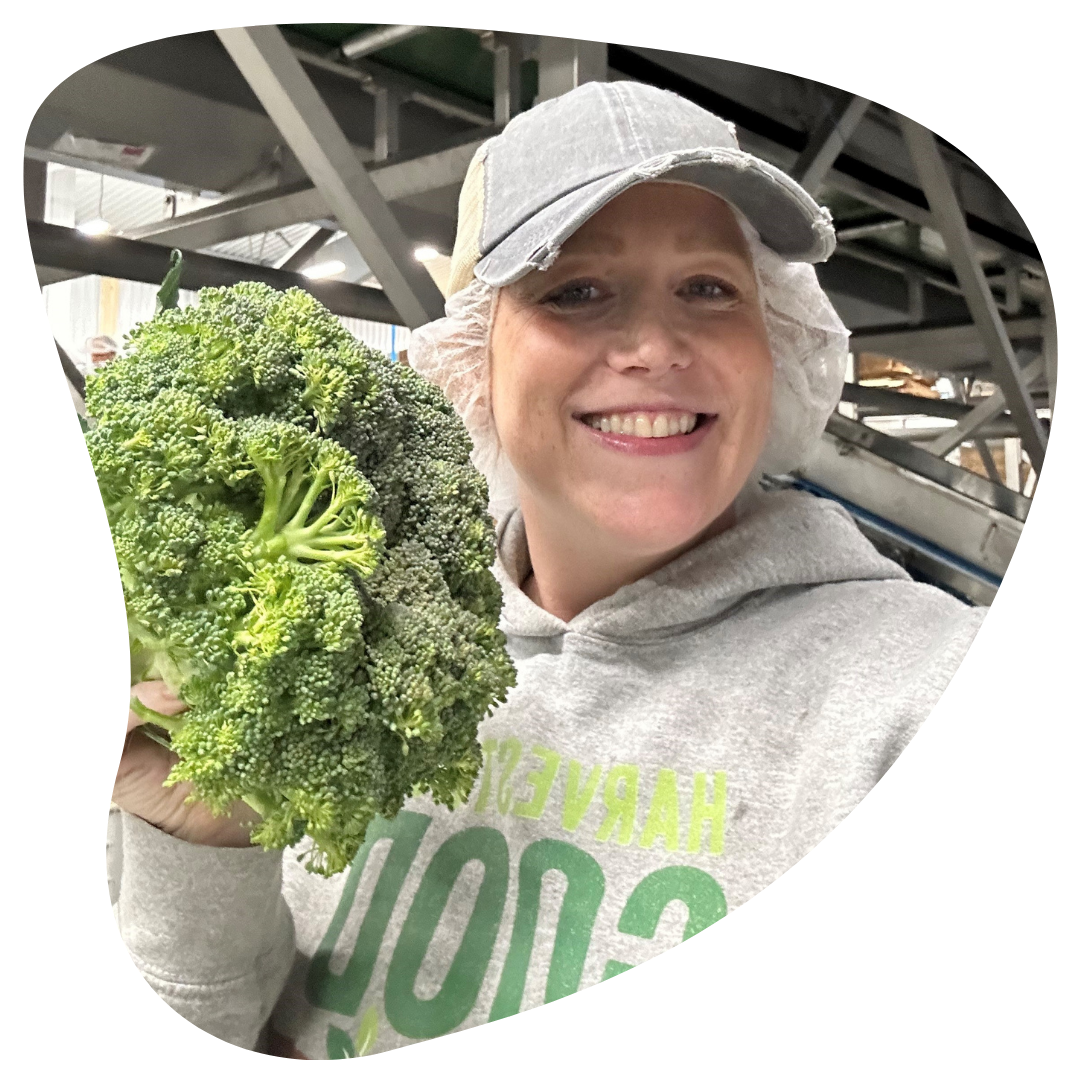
[782, 539]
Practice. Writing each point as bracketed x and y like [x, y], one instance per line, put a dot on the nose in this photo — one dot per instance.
[647, 345]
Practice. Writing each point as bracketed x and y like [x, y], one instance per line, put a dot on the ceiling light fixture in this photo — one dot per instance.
[97, 226]
[425, 253]
[94, 227]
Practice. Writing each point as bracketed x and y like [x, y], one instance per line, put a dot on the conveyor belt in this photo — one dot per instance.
[945, 524]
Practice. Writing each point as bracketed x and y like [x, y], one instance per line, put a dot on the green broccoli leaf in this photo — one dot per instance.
[168, 296]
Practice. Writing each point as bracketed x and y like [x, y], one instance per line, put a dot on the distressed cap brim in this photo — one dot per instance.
[788, 220]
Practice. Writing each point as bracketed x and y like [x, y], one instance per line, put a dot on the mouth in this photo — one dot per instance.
[648, 431]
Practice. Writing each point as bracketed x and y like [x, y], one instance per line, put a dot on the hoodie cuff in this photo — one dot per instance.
[195, 914]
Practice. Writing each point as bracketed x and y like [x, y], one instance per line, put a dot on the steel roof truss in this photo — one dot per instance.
[286, 92]
[949, 221]
[303, 252]
[827, 140]
[289, 204]
[987, 409]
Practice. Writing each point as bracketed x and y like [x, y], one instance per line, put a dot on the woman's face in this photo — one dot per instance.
[632, 381]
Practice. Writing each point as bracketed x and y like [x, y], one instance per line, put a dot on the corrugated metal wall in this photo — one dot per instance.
[83, 307]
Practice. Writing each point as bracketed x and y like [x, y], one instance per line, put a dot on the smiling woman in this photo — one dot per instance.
[710, 676]
[631, 388]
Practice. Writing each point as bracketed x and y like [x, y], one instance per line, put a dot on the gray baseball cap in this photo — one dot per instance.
[552, 167]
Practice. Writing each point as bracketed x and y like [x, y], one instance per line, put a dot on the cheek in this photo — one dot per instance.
[745, 377]
[527, 388]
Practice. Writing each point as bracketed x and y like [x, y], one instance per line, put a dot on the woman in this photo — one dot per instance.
[709, 677]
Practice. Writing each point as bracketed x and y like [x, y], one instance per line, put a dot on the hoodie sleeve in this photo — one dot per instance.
[902, 644]
[208, 928]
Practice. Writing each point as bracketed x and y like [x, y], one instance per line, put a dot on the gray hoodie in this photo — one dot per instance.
[665, 755]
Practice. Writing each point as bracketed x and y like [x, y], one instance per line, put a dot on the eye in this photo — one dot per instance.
[573, 294]
[709, 288]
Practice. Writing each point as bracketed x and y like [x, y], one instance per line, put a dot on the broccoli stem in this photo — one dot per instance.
[172, 724]
[329, 538]
[317, 487]
[150, 733]
[274, 481]
[292, 491]
[321, 555]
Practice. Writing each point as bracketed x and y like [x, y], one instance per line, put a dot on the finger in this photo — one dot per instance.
[157, 696]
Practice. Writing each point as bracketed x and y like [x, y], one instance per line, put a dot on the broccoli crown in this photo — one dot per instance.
[305, 553]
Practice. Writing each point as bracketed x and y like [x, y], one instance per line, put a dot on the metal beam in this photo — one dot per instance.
[950, 222]
[844, 277]
[914, 214]
[451, 105]
[869, 228]
[987, 459]
[307, 125]
[565, 63]
[909, 268]
[722, 88]
[289, 204]
[507, 53]
[919, 461]
[371, 75]
[303, 252]
[387, 123]
[381, 37]
[1050, 351]
[74, 375]
[999, 428]
[987, 409]
[893, 403]
[56, 246]
[429, 172]
[943, 522]
[244, 215]
[34, 185]
[940, 348]
[916, 286]
[827, 140]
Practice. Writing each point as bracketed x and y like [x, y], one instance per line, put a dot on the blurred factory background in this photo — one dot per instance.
[330, 156]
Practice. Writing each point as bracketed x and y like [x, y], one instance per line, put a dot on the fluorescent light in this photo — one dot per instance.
[425, 253]
[95, 227]
[323, 269]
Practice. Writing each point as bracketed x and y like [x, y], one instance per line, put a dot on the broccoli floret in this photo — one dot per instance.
[305, 552]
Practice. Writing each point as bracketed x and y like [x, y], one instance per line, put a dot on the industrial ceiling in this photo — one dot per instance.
[934, 268]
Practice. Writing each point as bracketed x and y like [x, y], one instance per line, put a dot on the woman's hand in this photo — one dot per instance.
[144, 766]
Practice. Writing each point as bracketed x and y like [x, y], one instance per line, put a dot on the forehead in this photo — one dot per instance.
[677, 215]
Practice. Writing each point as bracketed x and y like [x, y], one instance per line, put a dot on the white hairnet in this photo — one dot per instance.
[809, 346]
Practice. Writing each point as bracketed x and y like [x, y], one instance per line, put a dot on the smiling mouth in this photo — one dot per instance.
[645, 425]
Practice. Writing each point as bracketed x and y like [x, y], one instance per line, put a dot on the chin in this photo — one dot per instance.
[653, 523]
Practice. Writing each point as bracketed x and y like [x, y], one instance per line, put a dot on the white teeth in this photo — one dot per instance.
[659, 426]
